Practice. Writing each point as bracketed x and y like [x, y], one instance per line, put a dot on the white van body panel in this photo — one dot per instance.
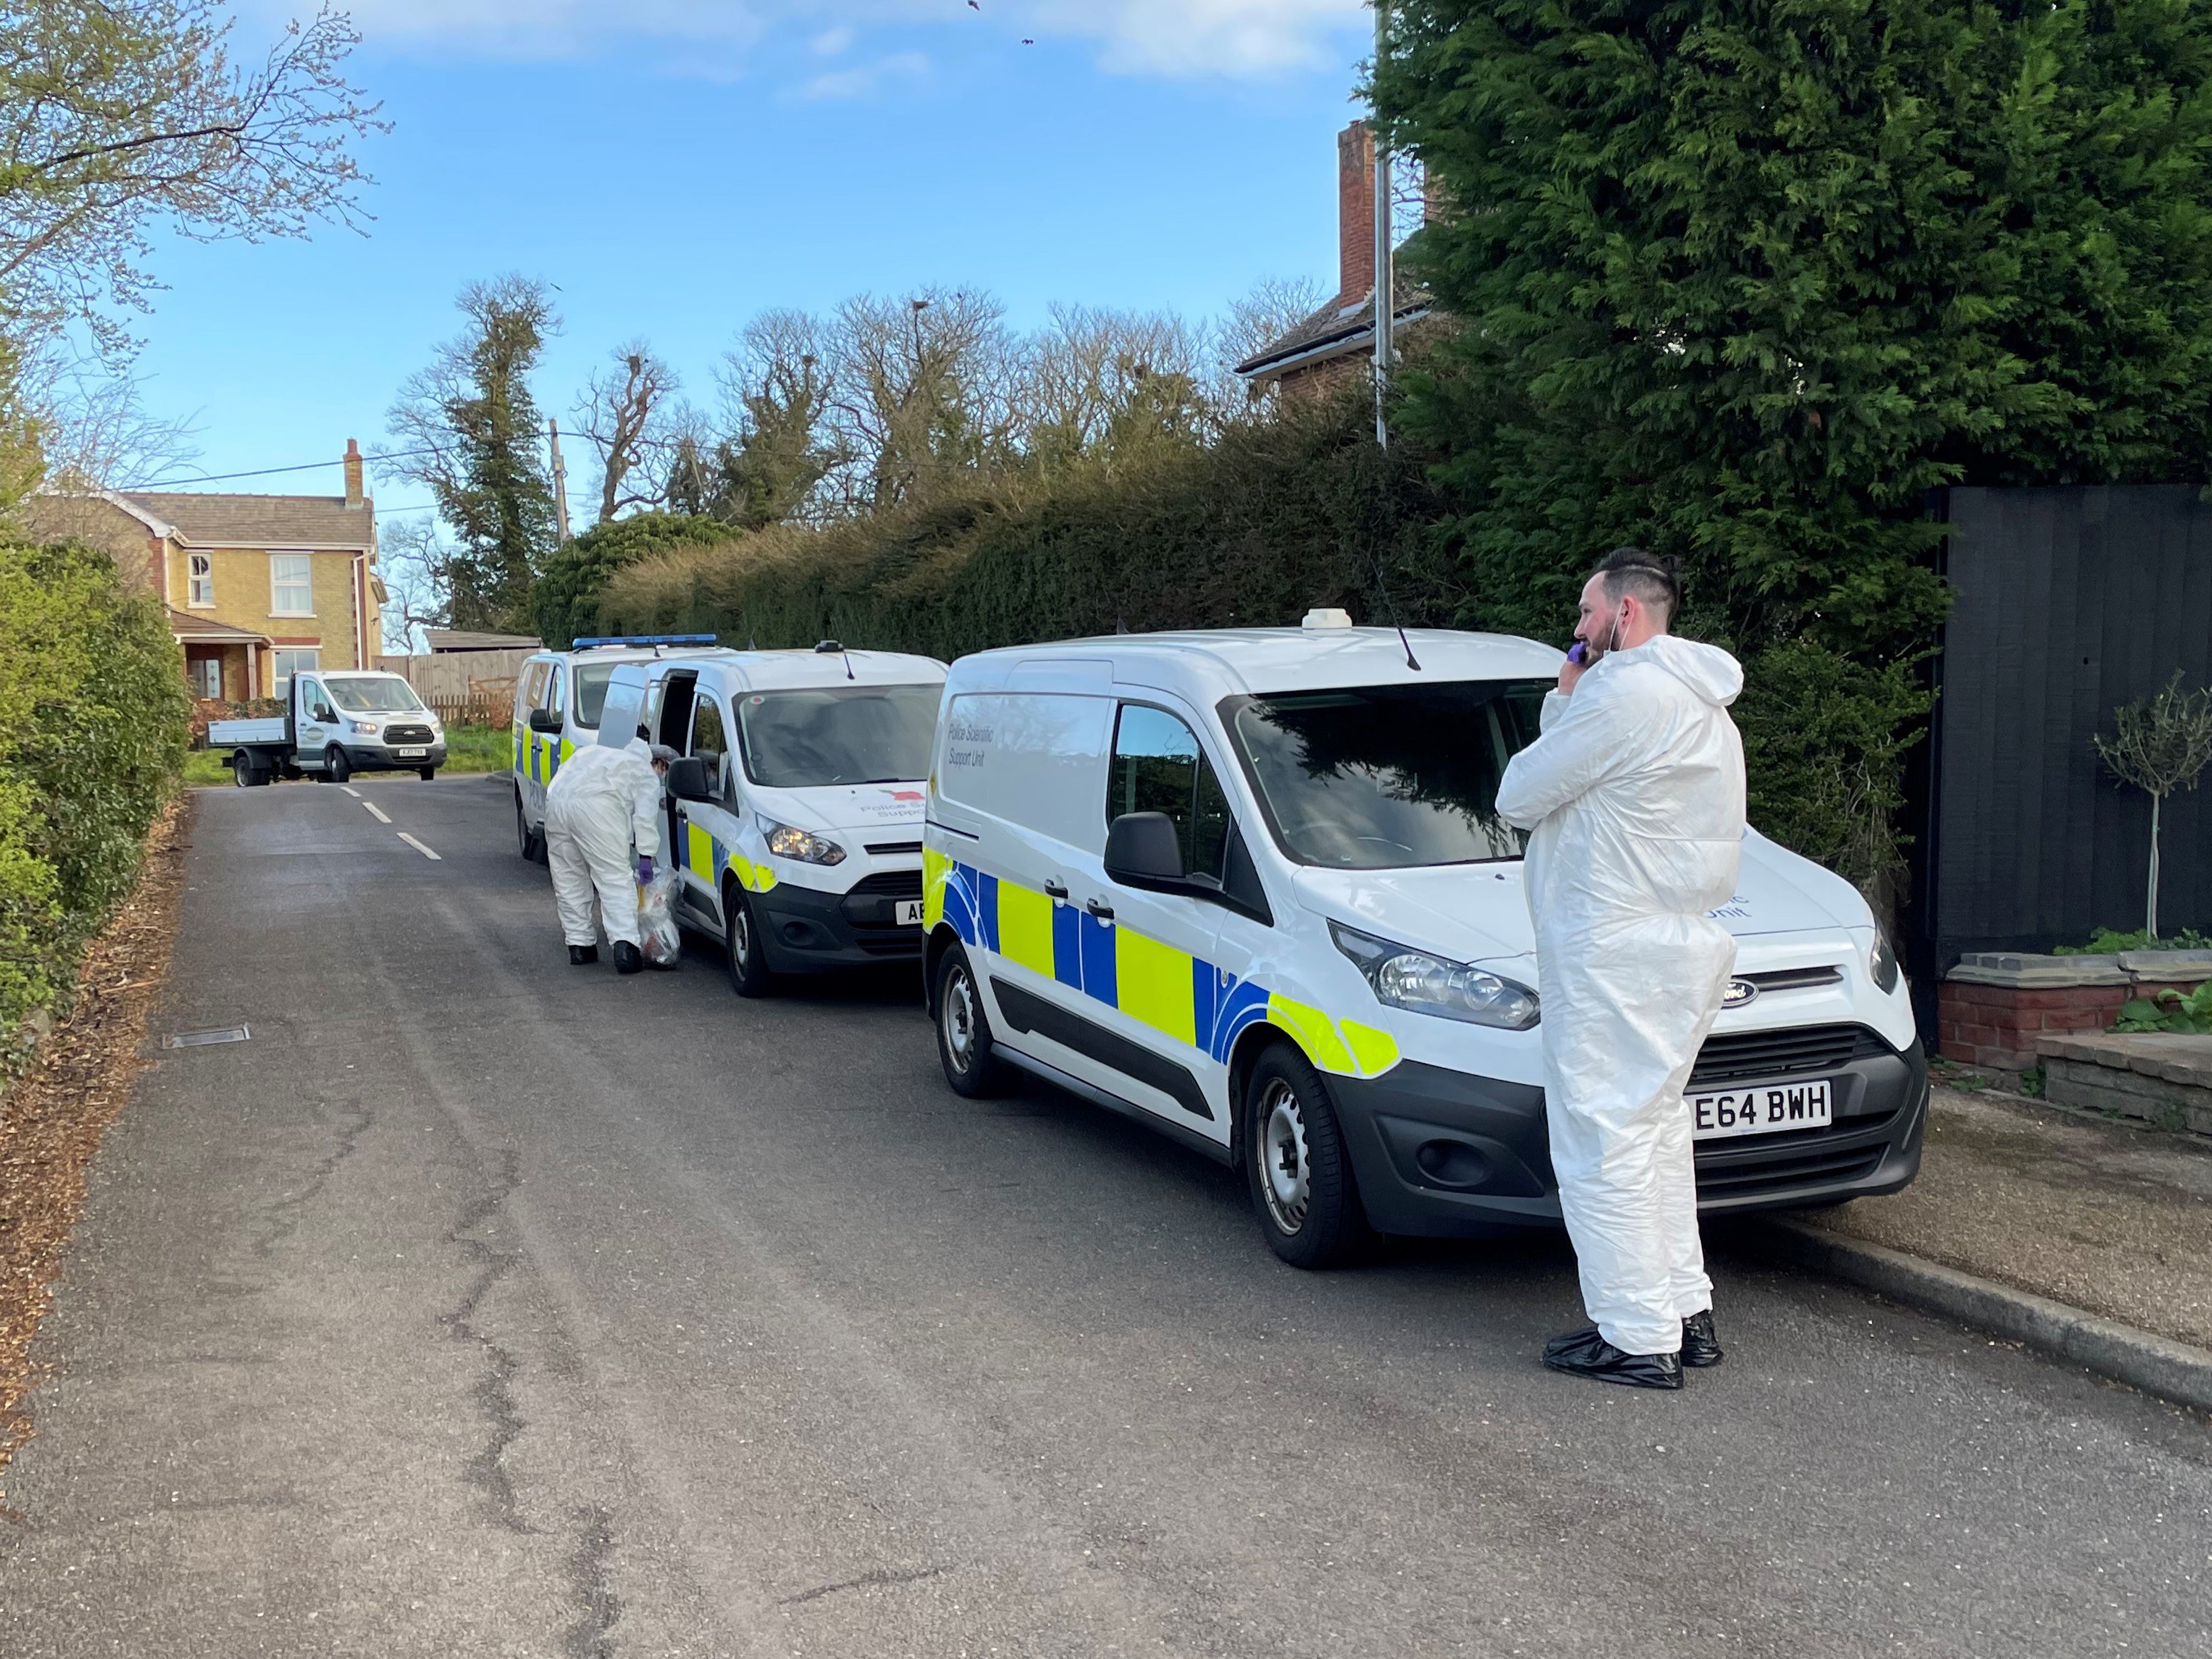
[1149, 997]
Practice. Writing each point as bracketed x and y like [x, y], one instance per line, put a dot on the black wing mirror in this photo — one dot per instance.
[689, 780]
[1144, 850]
[546, 720]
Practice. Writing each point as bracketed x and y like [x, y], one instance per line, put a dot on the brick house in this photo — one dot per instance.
[1337, 343]
[256, 585]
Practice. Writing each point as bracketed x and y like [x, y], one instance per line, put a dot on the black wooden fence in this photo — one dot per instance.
[2067, 602]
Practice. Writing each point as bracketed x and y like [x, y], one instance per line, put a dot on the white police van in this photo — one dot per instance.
[1250, 887]
[557, 695]
[795, 809]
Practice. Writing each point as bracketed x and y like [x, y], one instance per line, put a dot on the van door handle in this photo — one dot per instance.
[1099, 909]
[1054, 888]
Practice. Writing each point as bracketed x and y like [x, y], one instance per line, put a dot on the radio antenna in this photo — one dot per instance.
[1389, 604]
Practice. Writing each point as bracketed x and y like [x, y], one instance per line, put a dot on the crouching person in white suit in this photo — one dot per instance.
[1635, 795]
[602, 835]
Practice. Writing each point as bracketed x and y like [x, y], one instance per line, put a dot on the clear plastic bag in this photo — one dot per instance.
[658, 938]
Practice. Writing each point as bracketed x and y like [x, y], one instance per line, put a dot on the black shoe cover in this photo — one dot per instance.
[1701, 1345]
[1585, 1354]
[628, 959]
[583, 955]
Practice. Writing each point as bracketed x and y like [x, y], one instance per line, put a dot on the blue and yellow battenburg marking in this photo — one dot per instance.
[706, 857]
[1169, 990]
[538, 757]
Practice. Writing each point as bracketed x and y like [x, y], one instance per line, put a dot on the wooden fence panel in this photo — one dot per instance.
[2066, 603]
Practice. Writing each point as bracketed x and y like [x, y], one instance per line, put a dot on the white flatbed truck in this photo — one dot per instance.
[338, 722]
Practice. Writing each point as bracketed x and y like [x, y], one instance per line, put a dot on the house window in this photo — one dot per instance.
[206, 675]
[290, 662]
[291, 585]
[201, 566]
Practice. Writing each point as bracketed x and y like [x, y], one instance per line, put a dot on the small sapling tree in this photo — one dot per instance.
[2160, 744]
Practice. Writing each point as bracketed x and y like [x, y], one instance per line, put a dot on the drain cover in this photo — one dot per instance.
[201, 1039]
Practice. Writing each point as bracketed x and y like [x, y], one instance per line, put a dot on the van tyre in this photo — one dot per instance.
[244, 774]
[741, 943]
[1297, 1165]
[429, 774]
[336, 767]
[964, 1031]
[530, 843]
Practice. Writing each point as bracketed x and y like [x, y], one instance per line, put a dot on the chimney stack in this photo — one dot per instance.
[1355, 213]
[353, 473]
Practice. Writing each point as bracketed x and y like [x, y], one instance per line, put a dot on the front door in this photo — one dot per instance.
[315, 724]
[706, 829]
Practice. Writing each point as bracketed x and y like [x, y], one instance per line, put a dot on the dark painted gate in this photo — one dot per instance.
[2067, 603]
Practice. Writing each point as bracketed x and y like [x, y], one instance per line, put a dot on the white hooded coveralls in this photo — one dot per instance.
[601, 803]
[1635, 795]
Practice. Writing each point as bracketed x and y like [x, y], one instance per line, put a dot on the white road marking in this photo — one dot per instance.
[414, 843]
[350, 790]
[376, 812]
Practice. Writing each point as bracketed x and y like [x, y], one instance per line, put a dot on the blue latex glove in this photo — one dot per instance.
[644, 871]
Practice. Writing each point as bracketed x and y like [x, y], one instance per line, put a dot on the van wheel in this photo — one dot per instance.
[964, 1031]
[528, 843]
[741, 943]
[336, 767]
[242, 771]
[429, 774]
[1296, 1163]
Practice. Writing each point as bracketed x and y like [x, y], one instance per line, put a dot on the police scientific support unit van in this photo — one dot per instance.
[794, 810]
[1250, 887]
[557, 696]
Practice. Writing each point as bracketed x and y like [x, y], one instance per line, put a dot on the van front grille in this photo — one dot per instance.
[407, 734]
[1755, 1056]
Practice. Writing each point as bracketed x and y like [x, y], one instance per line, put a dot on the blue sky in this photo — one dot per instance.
[676, 165]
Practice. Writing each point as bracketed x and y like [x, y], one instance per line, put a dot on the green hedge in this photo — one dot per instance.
[93, 723]
[1270, 519]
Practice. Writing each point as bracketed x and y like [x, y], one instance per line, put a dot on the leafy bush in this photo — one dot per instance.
[2169, 1011]
[566, 597]
[93, 722]
[2106, 942]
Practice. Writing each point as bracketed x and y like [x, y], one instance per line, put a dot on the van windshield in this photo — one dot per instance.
[592, 692]
[1388, 777]
[853, 734]
[374, 694]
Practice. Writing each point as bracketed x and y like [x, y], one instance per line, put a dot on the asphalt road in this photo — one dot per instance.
[482, 1306]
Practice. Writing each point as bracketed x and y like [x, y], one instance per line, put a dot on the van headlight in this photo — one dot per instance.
[1402, 977]
[366, 728]
[786, 842]
[1881, 962]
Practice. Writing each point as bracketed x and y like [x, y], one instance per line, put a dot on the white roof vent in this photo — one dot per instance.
[1327, 618]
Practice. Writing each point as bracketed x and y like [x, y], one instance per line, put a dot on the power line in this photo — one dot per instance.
[269, 471]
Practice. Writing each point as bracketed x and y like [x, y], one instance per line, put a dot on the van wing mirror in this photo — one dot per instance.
[546, 720]
[1143, 850]
[688, 780]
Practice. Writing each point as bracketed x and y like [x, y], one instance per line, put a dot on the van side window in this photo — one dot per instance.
[533, 689]
[708, 742]
[556, 692]
[1159, 768]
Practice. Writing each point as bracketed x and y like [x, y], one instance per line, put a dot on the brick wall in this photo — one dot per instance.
[1997, 1026]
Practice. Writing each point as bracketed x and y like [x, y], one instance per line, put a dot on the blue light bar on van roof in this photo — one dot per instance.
[625, 640]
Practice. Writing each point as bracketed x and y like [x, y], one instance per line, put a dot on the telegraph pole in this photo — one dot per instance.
[559, 484]
[1386, 294]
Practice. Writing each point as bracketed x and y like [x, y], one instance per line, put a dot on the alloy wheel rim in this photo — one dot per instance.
[960, 1020]
[741, 938]
[1287, 1170]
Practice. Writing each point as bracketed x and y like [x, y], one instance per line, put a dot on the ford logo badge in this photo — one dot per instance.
[1739, 992]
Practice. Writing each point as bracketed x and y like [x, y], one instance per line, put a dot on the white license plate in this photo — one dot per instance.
[410, 754]
[907, 912]
[1768, 1109]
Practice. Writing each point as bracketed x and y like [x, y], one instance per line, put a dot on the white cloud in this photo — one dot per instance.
[1178, 37]
[864, 80]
